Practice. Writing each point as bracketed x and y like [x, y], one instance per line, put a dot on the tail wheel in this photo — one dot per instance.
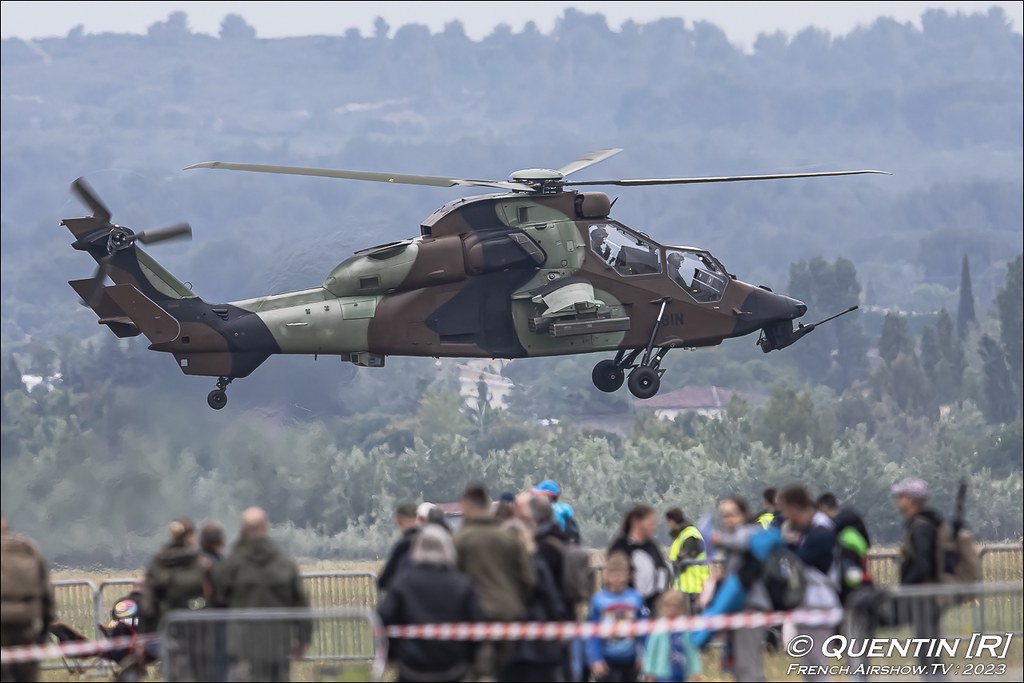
[644, 382]
[217, 399]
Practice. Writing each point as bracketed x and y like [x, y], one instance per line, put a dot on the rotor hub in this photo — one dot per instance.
[536, 175]
[120, 238]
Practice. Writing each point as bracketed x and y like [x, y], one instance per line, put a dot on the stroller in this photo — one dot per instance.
[126, 664]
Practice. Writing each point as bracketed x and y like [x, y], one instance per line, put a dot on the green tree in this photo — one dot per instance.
[839, 355]
[234, 27]
[965, 310]
[1010, 307]
[1000, 402]
[942, 359]
[894, 339]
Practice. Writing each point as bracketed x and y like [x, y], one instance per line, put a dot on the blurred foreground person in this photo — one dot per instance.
[499, 568]
[811, 535]
[687, 551]
[536, 660]
[738, 589]
[431, 591]
[407, 522]
[919, 551]
[669, 655]
[259, 574]
[178, 578]
[26, 599]
[616, 659]
[650, 572]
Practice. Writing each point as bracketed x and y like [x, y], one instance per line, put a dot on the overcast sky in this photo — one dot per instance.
[742, 21]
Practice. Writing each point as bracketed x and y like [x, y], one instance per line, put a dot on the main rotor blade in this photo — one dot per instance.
[588, 159]
[87, 195]
[399, 178]
[172, 232]
[718, 179]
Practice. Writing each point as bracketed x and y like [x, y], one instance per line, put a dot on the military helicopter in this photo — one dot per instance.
[539, 268]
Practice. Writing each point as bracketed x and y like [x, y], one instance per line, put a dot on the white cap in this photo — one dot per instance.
[423, 511]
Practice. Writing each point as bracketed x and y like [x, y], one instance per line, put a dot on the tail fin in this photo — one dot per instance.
[131, 305]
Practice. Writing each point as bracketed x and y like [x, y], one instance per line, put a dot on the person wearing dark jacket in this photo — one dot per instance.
[811, 535]
[408, 525]
[178, 578]
[918, 551]
[843, 517]
[650, 572]
[431, 591]
[259, 574]
[213, 653]
[550, 540]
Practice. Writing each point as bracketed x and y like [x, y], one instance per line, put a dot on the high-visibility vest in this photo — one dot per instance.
[691, 579]
[766, 519]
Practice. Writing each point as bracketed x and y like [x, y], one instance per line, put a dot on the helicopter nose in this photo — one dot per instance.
[763, 307]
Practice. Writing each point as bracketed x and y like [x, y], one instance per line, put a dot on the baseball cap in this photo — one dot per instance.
[423, 511]
[915, 488]
[547, 488]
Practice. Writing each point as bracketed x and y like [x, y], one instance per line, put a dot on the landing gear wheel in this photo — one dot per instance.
[644, 382]
[608, 376]
[218, 398]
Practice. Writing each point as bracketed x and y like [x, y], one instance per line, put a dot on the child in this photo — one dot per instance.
[615, 659]
[670, 656]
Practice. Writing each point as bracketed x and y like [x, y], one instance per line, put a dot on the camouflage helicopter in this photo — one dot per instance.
[537, 269]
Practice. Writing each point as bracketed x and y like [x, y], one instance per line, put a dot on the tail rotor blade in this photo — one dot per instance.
[88, 195]
[178, 231]
[98, 278]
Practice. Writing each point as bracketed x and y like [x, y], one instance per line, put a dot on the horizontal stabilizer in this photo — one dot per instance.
[102, 304]
[157, 324]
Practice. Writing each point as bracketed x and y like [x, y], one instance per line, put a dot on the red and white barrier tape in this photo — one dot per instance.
[616, 629]
[35, 653]
[483, 631]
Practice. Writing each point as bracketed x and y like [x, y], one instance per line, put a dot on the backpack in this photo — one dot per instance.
[578, 576]
[566, 519]
[572, 530]
[785, 577]
[853, 563]
[957, 559]
[21, 583]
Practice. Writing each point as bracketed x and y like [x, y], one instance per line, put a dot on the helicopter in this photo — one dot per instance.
[538, 268]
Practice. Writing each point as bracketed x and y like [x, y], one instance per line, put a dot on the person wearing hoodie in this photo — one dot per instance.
[259, 574]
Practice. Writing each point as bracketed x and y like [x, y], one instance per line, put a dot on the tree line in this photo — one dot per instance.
[96, 465]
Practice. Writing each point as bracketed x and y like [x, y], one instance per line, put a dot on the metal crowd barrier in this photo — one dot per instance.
[975, 627]
[78, 605]
[110, 591]
[272, 645]
[341, 589]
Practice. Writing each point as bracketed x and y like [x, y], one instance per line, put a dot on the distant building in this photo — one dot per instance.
[708, 401]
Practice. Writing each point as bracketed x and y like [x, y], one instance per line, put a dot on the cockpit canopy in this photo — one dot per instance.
[631, 254]
[697, 273]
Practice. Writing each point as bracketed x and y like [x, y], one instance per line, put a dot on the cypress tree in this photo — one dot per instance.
[965, 311]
